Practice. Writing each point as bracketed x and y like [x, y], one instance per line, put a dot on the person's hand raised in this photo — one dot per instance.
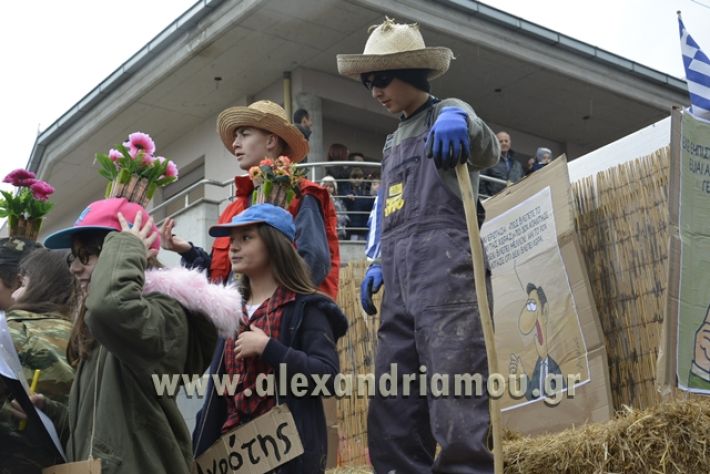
[170, 241]
[144, 232]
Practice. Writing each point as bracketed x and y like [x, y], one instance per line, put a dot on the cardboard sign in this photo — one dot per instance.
[82, 467]
[538, 333]
[546, 326]
[685, 343]
[255, 448]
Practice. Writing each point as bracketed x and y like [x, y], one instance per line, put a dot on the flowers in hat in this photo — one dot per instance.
[135, 160]
[31, 201]
[276, 181]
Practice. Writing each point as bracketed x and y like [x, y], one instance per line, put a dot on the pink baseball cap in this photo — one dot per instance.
[101, 215]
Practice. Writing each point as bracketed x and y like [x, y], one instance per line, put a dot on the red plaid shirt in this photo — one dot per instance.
[240, 408]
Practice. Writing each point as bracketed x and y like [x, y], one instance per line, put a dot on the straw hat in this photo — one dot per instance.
[265, 115]
[395, 46]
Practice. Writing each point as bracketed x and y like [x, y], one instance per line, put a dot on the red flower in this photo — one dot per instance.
[41, 190]
[266, 162]
[20, 177]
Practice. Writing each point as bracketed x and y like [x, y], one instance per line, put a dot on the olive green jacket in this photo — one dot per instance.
[168, 327]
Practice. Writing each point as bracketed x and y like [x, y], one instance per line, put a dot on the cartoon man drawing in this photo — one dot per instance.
[535, 315]
[700, 368]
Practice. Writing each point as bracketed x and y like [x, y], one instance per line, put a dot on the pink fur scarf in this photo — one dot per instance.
[191, 288]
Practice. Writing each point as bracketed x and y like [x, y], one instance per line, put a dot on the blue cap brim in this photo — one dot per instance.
[62, 239]
[225, 230]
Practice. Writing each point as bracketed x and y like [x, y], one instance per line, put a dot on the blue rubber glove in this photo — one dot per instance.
[448, 141]
[370, 285]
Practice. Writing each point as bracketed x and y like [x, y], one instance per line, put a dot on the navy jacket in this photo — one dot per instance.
[310, 328]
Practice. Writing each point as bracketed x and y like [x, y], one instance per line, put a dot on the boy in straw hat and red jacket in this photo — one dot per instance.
[253, 133]
[429, 314]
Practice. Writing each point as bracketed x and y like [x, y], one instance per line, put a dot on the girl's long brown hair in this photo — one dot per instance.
[81, 341]
[51, 285]
[287, 266]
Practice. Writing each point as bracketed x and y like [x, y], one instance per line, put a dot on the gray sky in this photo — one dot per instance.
[56, 52]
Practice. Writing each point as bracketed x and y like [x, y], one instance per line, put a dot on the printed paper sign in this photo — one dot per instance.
[538, 333]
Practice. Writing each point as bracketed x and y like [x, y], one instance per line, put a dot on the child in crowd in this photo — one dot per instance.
[39, 321]
[329, 183]
[138, 322]
[285, 321]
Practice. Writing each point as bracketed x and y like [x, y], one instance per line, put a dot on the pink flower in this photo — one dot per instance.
[148, 159]
[140, 141]
[114, 155]
[161, 159]
[20, 177]
[172, 170]
[41, 190]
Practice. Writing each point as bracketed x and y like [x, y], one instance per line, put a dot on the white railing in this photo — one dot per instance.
[315, 172]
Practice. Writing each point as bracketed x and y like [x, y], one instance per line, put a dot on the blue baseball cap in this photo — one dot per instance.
[277, 217]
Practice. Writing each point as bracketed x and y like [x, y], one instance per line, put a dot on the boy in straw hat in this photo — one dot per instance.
[429, 314]
[253, 133]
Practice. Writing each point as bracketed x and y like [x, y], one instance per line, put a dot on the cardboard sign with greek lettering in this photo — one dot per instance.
[255, 448]
[81, 467]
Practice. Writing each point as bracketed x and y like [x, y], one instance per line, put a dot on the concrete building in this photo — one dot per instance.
[545, 88]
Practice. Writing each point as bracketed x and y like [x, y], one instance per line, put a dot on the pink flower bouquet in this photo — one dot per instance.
[26, 208]
[134, 171]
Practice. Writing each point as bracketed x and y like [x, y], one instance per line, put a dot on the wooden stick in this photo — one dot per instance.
[479, 274]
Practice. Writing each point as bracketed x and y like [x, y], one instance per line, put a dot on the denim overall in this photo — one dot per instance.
[429, 317]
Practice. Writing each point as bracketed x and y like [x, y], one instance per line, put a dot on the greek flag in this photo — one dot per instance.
[697, 73]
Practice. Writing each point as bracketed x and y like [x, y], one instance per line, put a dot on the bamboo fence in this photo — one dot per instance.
[623, 228]
[357, 357]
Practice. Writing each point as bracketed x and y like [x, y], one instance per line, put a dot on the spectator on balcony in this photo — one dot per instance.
[356, 156]
[338, 152]
[508, 168]
[329, 183]
[302, 121]
[252, 133]
[542, 157]
[359, 204]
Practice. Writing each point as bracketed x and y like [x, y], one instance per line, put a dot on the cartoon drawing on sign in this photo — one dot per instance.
[535, 316]
[699, 376]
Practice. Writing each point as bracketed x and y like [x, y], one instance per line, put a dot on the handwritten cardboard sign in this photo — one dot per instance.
[81, 467]
[255, 448]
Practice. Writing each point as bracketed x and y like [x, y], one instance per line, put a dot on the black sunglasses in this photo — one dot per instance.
[83, 255]
[379, 79]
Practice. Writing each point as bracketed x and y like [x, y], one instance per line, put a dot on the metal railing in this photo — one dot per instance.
[315, 172]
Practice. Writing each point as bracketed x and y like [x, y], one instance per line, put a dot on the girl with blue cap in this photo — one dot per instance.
[286, 323]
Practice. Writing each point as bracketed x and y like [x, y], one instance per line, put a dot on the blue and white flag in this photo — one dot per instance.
[697, 73]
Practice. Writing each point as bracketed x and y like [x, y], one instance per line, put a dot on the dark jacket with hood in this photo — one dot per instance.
[310, 328]
[147, 323]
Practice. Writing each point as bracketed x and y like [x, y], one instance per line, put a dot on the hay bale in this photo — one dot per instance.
[672, 437]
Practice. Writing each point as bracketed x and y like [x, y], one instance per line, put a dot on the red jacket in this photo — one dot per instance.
[221, 264]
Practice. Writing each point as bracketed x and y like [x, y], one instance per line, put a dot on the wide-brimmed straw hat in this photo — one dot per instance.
[265, 115]
[395, 46]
